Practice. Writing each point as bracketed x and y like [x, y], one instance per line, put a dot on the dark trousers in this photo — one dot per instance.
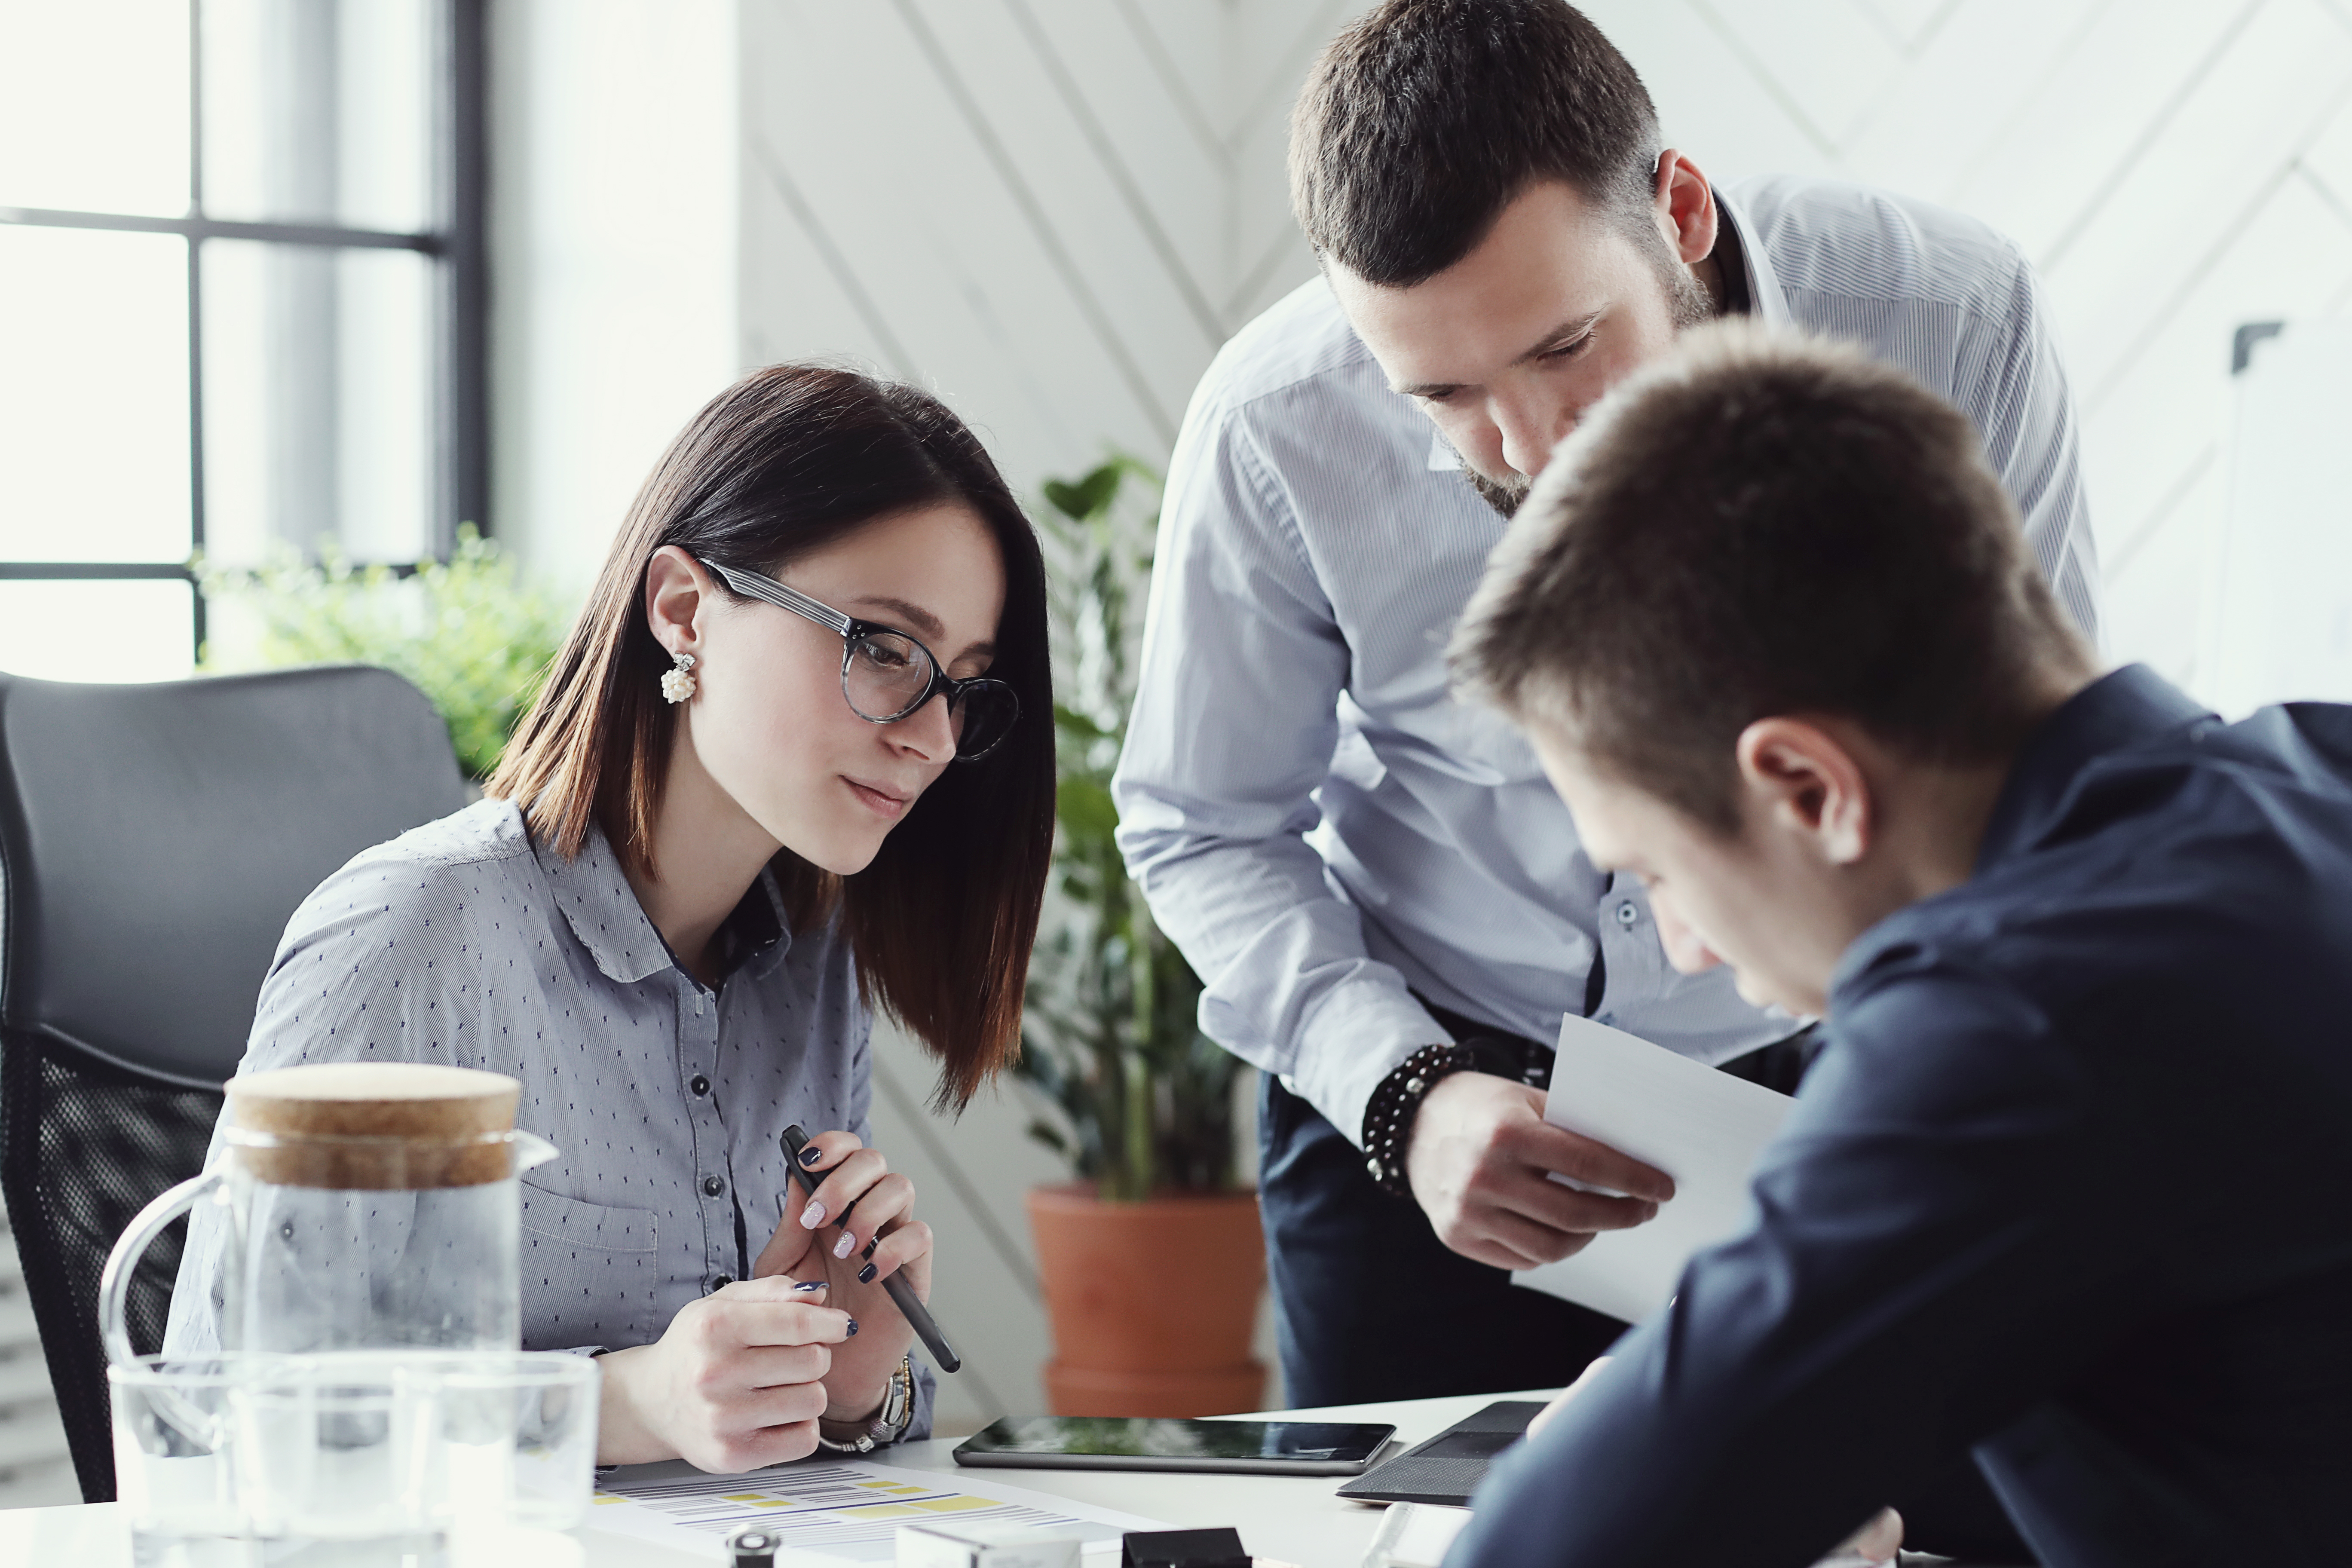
[1370, 1305]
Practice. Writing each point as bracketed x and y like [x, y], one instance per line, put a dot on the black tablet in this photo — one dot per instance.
[1159, 1443]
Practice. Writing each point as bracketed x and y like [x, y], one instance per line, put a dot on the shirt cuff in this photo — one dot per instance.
[1352, 1042]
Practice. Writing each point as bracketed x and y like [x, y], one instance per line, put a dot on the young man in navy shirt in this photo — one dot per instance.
[2067, 1190]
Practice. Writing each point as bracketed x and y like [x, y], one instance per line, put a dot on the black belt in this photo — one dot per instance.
[1780, 1065]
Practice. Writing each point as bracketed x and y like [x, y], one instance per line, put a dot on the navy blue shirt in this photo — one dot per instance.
[2069, 1190]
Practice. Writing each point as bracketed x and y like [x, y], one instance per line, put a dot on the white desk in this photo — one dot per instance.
[1292, 1521]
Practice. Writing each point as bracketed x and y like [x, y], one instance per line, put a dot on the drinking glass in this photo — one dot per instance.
[520, 1437]
[341, 1458]
[172, 1475]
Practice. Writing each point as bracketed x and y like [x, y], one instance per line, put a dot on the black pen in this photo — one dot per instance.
[926, 1328]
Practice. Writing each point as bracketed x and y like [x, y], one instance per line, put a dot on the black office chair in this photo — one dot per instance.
[153, 840]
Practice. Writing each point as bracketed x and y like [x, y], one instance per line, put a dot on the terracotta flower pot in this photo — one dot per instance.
[1152, 1303]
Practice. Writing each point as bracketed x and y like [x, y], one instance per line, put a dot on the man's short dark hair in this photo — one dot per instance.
[1424, 119]
[1760, 524]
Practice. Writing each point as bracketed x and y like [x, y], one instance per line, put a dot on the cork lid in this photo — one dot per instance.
[374, 1125]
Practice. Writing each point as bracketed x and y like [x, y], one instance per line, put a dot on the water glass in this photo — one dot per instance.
[172, 1477]
[519, 1432]
[344, 1452]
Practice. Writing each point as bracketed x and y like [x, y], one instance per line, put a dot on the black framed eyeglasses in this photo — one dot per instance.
[887, 675]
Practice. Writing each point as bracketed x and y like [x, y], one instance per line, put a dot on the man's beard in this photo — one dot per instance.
[1687, 304]
[1503, 496]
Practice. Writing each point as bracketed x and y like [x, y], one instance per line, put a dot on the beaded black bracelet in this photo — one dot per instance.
[1388, 1115]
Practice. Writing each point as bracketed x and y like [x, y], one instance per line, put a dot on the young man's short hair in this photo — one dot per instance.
[1424, 119]
[1766, 523]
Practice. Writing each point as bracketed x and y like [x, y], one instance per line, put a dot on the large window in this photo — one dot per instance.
[241, 305]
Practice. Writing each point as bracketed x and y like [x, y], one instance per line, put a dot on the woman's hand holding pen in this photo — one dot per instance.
[741, 1378]
[736, 1382]
[852, 1227]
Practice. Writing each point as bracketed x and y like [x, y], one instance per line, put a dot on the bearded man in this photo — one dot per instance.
[1387, 903]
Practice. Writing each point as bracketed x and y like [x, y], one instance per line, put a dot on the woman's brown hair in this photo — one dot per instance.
[784, 462]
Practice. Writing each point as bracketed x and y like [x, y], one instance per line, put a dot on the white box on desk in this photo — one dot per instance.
[986, 1546]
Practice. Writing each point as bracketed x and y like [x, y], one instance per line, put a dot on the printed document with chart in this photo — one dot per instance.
[1702, 1127]
[829, 1510]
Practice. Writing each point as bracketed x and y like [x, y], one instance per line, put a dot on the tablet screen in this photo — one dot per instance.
[1159, 1437]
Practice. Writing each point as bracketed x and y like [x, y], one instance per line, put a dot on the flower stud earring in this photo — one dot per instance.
[678, 684]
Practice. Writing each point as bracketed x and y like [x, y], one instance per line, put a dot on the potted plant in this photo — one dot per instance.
[475, 641]
[1151, 1260]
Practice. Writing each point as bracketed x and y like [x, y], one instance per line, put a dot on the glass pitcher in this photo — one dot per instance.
[360, 1206]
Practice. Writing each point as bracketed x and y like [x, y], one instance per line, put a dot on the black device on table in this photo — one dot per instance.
[1159, 1443]
[919, 1318]
[1447, 1468]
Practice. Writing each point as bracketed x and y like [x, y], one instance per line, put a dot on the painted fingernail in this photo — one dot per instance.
[810, 1287]
[853, 1328]
[865, 1274]
[812, 1216]
[846, 1246]
[811, 1155]
[870, 1247]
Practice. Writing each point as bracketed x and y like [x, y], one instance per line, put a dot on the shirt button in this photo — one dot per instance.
[712, 1186]
[699, 1084]
[720, 1281]
[1629, 913]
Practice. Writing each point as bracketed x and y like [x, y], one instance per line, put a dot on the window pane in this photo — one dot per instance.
[93, 396]
[319, 112]
[98, 631]
[318, 400]
[94, 110]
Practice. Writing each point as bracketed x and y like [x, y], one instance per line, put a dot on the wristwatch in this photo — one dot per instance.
[890, 1423]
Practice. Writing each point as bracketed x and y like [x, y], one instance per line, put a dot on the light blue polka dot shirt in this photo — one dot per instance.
[462, 942]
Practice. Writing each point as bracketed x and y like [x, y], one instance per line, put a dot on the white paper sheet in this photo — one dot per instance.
[829, 1512]
[1702, 1127]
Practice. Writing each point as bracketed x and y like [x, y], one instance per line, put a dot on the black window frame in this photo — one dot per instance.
[457, 244]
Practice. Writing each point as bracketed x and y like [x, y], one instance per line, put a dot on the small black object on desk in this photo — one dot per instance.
[753, 1547]
[1183, 1549]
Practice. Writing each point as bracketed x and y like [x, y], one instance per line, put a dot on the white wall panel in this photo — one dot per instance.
[613, 227]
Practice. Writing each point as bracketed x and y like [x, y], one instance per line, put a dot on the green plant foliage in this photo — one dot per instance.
[1143, 1101]
[473, 638]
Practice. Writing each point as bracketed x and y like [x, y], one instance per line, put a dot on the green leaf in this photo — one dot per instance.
[1084, 808]
[1086, 497]
[1075, 725]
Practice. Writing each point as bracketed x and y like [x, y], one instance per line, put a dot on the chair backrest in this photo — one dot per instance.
[153, 840]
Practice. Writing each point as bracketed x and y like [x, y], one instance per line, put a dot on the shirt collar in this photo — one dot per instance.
[595, 895]
[1765, 300]
[2132, 704]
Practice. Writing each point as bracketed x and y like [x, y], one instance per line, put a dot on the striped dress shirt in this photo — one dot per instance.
[1320, 827]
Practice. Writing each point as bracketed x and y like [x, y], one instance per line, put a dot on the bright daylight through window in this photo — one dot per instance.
[240, 305]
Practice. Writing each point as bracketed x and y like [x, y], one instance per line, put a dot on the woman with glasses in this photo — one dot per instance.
[793, 763]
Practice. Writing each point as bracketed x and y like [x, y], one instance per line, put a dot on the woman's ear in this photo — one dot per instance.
[675, 590]
[1801, 781]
